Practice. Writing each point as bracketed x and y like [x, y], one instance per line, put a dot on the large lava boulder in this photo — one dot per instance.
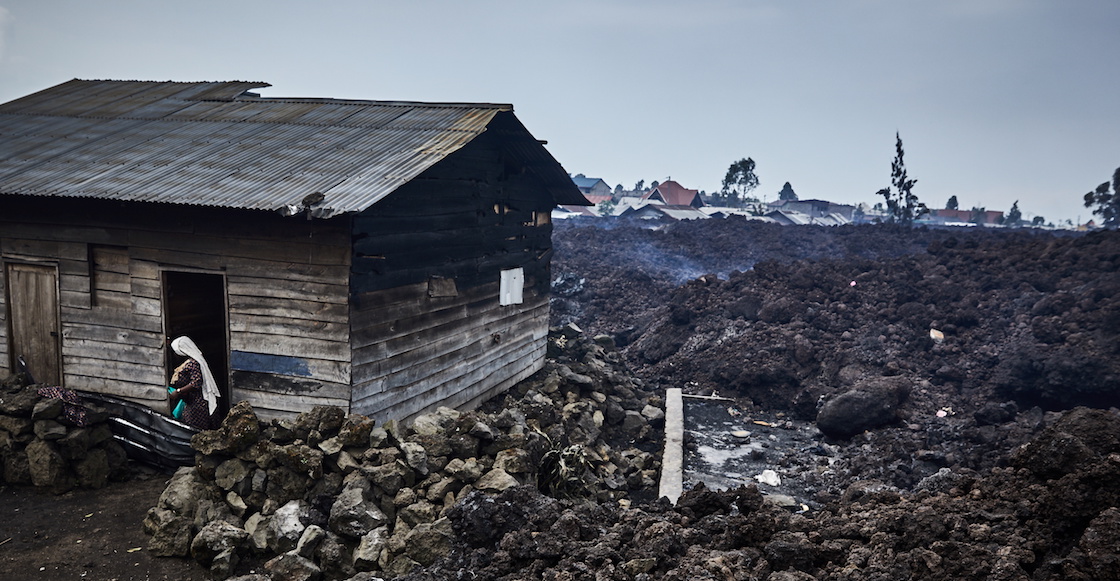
[870, 404]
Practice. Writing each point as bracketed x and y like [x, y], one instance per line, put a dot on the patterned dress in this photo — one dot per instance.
[188, 380]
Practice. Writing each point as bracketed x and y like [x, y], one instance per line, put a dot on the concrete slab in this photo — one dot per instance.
[672, 460]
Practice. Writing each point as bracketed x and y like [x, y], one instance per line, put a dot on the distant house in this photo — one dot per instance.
[664, 212]
[946, 216]
[592, 210]
[795, 218]
[866, 214]
[816, 208]
[671, 193]
[592, 186]
[569, 211]
[384, 257]
[788, 217]
[727, 212]
[621, 205]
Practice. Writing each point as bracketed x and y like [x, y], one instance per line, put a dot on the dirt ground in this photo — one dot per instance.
[85, 534]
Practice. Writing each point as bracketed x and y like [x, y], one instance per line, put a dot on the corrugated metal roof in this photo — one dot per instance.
[586, 182]
[214, 144]
[680, 212]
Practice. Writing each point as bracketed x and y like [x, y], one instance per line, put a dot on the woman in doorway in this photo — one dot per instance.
[194, 385]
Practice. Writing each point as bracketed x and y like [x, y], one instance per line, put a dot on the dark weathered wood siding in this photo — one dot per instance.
[427, 327]
[286, 287]
[5, 357]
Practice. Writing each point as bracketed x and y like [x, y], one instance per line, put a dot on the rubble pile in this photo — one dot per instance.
[1018, 317]
[618, 280]
[333, 495]
[52, 444]
[1050, 514]
[938, 351]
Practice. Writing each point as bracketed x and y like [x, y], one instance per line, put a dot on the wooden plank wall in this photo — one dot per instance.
[417, 346]
[5, 368]
[286, 282]
[480, 346]
[111, 349]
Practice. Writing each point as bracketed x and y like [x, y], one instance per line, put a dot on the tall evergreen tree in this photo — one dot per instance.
[903, 206]
[1014, 216]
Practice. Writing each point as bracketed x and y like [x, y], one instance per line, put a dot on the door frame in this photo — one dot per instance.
[223, 375]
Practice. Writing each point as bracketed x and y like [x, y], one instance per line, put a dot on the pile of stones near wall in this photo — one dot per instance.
[40, 447]
[333, 496]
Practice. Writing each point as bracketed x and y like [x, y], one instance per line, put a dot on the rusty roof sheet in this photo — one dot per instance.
[674, 194]
[216, 144]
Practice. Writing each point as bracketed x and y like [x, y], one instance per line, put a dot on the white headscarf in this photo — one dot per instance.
[185, 347]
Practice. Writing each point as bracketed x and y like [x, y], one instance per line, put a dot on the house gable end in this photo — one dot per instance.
[429, 265]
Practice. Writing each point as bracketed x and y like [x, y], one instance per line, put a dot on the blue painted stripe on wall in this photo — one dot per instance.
[282, 364]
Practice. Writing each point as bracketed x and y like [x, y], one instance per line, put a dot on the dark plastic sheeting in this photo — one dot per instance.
[148, 436]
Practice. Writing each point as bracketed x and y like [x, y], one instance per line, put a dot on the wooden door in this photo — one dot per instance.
[33, 309]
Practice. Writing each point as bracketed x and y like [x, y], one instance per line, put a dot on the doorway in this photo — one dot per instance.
[33, 313]
[194, 305]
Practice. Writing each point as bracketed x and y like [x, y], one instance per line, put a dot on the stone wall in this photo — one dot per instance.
[330, 495]
[41, 446]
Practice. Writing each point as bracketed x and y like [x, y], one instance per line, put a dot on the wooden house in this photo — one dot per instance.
[385, 257]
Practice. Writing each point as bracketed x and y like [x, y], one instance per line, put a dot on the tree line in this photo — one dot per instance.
[902, 204]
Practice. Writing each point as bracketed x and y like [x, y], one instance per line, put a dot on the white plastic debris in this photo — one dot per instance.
[936, 335]
[769, 477]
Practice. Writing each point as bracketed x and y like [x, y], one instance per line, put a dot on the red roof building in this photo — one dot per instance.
[671, 193]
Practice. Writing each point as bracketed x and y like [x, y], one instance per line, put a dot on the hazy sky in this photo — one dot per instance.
[996, 100]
